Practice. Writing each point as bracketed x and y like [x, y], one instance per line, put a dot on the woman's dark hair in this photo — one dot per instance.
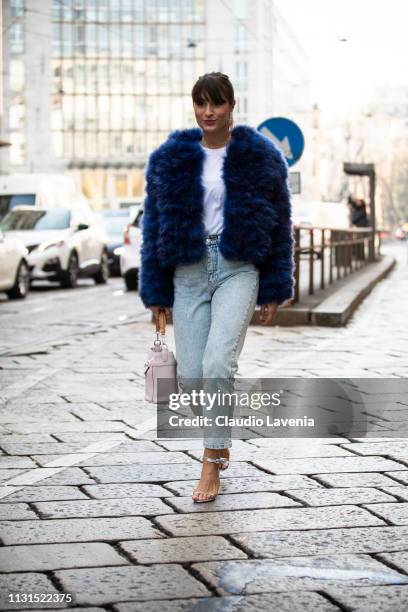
[214, 87]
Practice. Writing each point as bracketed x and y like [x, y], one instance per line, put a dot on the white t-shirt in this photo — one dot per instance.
[214, 189]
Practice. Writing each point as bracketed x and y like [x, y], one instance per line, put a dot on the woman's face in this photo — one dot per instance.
[212, 117]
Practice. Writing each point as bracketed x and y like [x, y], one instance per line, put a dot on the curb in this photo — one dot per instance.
[336, 308]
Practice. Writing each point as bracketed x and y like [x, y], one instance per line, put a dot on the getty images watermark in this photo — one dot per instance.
[212, 401]
[282, 407]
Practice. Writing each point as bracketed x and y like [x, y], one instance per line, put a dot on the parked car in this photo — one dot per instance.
[130, 255]
[40, 190]
[62, 244]
[115, 223]
[14, 270]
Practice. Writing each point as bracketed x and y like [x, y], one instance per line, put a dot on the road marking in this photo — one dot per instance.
[37, 474]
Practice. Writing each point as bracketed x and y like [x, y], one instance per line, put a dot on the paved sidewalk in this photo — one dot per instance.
[93, 505]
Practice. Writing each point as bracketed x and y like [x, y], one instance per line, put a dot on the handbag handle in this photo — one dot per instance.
[161, 322]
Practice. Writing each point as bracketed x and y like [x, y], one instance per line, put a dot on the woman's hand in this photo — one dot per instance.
[268, 312]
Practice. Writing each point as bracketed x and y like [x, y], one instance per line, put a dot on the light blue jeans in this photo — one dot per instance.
[214, 300]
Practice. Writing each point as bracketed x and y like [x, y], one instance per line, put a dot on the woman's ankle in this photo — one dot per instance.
[214, 453]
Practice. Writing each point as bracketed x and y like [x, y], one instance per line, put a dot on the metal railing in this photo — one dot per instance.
[329, 254]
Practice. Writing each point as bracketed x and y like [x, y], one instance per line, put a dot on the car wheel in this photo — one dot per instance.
[22, 285]
[131, 280]
[69, 277]
[102, 276]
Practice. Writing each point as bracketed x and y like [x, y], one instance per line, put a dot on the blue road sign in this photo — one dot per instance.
[286, 135]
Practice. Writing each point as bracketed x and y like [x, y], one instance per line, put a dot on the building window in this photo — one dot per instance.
[57, 144]
[163, 7]
[17, 75]
[92, 10]
[241, 75]
[128, 145]
[138, 7]
[139, 37]
[68, 144]
[56, 10]
[68, 112]
[115, 40]
[67, 76]
[79, 38]
[91, 41]
[79, 146]
[80, 113]
[17, 114]
[244, 105]
[151, 10]
[17, 149]
[241, 36]
[188, 10]
[103, 6]
[103, 112]
[242, 108]
[103, 39]
[66, 40]
[127, 10]
[103, 144]
[127, 40]
[17, 8]
[56, 118]
[115, 143]
[62, 10]
[79, 12]
[56, 40]
[174, 11]
[90, 143]
[241, 9]
[17, 38]
[121, 188]
[151, 42]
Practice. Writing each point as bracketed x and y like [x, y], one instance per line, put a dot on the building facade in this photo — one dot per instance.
[91, 87]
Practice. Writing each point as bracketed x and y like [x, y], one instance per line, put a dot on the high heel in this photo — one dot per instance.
[209, 498]
[224, 462]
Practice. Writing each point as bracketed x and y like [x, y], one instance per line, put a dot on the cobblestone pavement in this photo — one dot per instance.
[93, 505]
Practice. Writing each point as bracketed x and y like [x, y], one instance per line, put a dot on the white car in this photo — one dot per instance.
[14, 270]
[62, 244]
[130, 253]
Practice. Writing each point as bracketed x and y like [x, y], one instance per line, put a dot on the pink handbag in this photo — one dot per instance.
[160, 363]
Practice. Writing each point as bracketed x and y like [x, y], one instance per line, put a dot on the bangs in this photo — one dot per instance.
[209, 89]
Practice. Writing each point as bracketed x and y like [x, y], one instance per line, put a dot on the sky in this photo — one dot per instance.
[343, 74]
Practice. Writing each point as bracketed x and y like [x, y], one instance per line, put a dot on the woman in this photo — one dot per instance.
[217, 240]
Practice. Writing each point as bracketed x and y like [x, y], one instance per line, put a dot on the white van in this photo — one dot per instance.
[40, 190]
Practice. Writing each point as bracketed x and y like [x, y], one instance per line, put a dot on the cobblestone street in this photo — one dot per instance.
[94, 505]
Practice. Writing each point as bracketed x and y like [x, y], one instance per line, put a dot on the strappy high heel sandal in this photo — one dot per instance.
[209, 498]
[224, 462]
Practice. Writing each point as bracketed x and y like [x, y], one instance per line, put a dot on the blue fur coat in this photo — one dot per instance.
[257, 213]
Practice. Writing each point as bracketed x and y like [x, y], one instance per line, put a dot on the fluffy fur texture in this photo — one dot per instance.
[257, 213]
